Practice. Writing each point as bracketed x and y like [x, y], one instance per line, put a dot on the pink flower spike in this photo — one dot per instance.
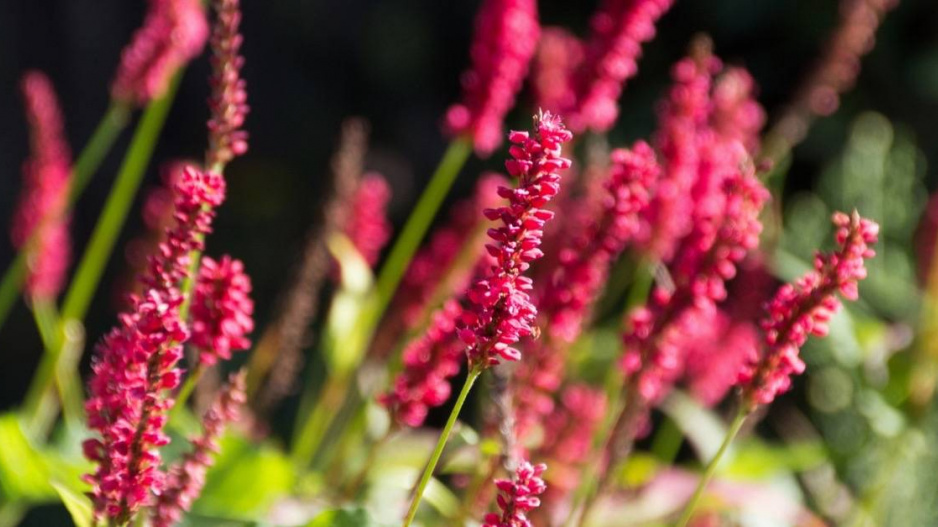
[619, 28]
[518, 497]
[173, 33]
[135, 365]
[368, 226]
[805, 308]
[228, 102]
[501, 312]
[506, 35]
[222, 309]
[186, 477]
[40, 223]
[559, 54]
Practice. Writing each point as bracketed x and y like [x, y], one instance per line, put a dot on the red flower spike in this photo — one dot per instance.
[222, 309]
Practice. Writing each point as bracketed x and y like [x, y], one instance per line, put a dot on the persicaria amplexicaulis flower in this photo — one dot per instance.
[222, 309]
[559, 53]
[569, 435]
[583, 268]
[619, 28]
[185, 479]
[173, 33]
[501, 311]
[707, 259]
[368, 227]
[430, 362]
[517, 497]
[506, 34]
[228, 102]
[134, 368]
[40, 224]
[805, 308]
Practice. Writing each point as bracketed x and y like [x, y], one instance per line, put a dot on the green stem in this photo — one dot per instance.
[418, 223]
[438, 451]
[39, 405]
[712, 467]
[117, 206]
[188, 387]
[100, 143]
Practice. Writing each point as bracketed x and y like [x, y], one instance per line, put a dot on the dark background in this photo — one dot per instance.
[311, 63]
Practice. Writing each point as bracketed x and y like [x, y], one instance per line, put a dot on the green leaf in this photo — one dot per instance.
[78, 505]
[246, 480]
[758, 460]
[24, 471]
[343, 345]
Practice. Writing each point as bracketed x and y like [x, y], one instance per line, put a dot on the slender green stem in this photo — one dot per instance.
[712, 467]
[188, 387]
[438, 451]
[100, 143]
[102, 139]
[39, 405]
[418, 223]
[117, 206]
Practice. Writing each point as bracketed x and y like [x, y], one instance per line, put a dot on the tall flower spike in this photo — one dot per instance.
[186, 477]
[619, 28]
[368, 226]
[40, 220]
[708, 258]
[173, 33]
[518, 496]
[135, 364]
[228, 102]
[430, 362]
[506, 35]
[681, 118]
[805, 308]
[568, 444]
[568, 297]
[559, 54]
[222, 309]
[501, 312]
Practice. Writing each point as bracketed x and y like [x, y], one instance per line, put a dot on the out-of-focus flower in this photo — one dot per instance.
[185, 479]
[430, 362]
[506, 35]
[173, 33]
[619, 28]
[568, 437]
[135, 365]
[805, 308]
[501, 311]
[682, 117]
[736, 113]
[228, 102]
[559, 54]
[713, 352]
[222, 309]
[368, 227]
[40, 224]
[517, 497]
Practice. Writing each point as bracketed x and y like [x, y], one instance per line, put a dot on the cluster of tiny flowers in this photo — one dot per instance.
[806, 307]
[135, 364]
[619, 28]
[706, 261]
[222, 309]
[582, 271]
[559, 54]
[368, 227]
[185, 479]
[228, 102]
[173, 33]
[40, 223]
[518, 497]
[430, 362]
[683, 114]
[568, 443]
[501, 311]
[737, 116]
[506, 35]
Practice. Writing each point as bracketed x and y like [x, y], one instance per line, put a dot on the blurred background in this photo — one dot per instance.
[312, 63]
